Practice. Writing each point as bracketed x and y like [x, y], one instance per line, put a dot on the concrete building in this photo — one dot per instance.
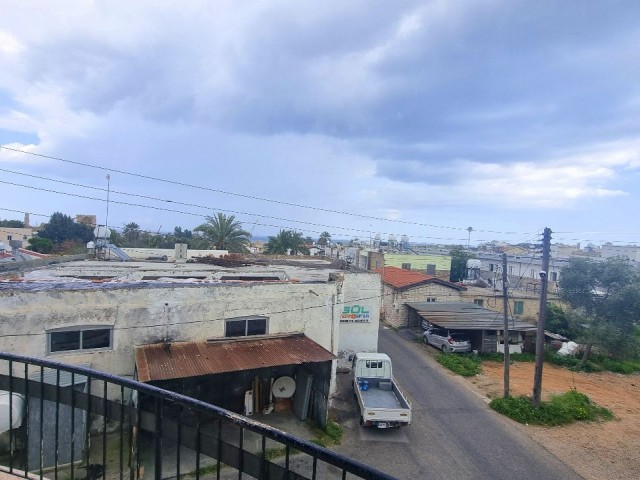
[99, 313]
[632, 252]
[432, 264]
[402, 286]
[8, 234]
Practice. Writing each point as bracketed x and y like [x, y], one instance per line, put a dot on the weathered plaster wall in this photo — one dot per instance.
[358, 313]
[184, 313]
[396, 312]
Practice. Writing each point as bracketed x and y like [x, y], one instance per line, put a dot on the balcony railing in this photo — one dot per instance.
[75, 423]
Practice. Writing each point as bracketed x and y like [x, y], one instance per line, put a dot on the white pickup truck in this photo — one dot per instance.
[381, 402]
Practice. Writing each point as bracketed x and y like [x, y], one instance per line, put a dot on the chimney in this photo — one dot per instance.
[26, 220]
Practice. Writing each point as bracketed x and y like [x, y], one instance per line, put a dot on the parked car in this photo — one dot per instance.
[447, 342]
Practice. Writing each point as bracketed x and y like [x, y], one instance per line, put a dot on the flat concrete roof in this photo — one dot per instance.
[92, 274]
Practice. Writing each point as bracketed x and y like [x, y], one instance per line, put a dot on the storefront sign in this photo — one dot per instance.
[354, 314]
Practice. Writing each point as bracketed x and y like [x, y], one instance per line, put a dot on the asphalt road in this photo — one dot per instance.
[454, 434]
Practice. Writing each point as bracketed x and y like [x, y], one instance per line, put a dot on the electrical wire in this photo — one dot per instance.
[251, 197]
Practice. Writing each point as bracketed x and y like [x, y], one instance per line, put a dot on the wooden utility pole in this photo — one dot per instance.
[505, 333]
[544, 277]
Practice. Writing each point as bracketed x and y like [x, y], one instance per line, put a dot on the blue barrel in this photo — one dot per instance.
[365, 385]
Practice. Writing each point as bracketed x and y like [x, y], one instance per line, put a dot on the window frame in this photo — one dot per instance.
[246, 321]
[518, 307]
[80, 330]
[479, 302]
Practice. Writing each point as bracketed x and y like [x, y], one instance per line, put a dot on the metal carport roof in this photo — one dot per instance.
[166, 361]
[465, 316]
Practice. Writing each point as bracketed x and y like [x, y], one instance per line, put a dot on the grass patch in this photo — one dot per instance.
[514, 357]
[596, 363]
[561, 409]
[465, 364]
[208, 470]
[328, 436]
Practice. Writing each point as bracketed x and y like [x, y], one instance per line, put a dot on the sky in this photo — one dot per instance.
[418, 118]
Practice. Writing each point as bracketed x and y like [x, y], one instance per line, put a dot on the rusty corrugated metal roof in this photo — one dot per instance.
[465, 316]
[192, 359]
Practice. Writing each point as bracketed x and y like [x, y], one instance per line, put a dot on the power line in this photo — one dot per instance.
[242, 195]
[191, 213]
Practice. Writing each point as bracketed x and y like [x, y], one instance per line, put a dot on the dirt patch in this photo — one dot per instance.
[595, 450]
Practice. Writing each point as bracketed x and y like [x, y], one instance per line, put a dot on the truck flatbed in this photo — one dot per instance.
[375, 398]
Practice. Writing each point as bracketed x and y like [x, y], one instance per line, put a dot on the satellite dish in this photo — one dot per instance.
[91, 245]
[284, 387]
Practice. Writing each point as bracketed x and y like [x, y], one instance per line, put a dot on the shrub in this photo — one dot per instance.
[466, 365]
[514, 357]
[559, 410]
[328, 436]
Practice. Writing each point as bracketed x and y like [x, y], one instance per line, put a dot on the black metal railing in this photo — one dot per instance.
[75, 423]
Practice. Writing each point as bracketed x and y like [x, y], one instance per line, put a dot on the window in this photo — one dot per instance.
[406, 266]
[518, 307]
[245, 326]
[374, 363]
[478, 301]
[431, 269]
[491, 267]
[533, 273]
[9, 237]
[511, 270]
[88, 338]
[554, 276]
[430, 300]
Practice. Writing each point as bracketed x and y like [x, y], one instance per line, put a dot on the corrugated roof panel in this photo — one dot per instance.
[465, 316]
[193, 359]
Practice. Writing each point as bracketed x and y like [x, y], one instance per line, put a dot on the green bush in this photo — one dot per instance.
[514, 357]
[559, 410]
[466, 365]
[596, 363]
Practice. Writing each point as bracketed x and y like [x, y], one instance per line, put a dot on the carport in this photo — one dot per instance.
[484, 327]
[222, 371]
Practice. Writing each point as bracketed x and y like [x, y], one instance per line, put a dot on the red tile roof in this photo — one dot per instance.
[401, 278]
[193, 359]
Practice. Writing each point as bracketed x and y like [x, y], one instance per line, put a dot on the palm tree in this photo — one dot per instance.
[283, 242]
[225, 233]
[325, 238]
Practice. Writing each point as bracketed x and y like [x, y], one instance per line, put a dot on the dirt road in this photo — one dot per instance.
[595, 450]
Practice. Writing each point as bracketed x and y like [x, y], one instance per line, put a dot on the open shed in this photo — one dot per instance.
[483, 327]
[221, 372]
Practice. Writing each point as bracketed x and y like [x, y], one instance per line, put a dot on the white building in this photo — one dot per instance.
[105, 314]
[632, 252]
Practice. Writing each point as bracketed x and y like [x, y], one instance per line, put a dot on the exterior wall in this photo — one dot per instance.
[148, 315]
[631, 252]
[396, 313]
[22, 234]
[419, 263]
[358, 313]
[493, 301]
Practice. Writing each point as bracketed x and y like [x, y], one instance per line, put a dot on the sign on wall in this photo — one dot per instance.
[354, 314]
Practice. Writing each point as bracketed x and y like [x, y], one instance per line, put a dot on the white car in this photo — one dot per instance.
[447, 342]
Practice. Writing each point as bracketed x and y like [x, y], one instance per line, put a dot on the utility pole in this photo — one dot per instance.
[544, 275]
[505, 333]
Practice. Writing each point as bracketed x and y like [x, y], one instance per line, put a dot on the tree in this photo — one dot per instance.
[62, 228]
[458, 264]
[605, 298]
[40, 245]
[11, 223]
[225, 233]
[286, 241]
[131, 233]
[557, 321]
[325, 238]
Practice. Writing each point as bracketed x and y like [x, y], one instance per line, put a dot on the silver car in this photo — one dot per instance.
[447, 342]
